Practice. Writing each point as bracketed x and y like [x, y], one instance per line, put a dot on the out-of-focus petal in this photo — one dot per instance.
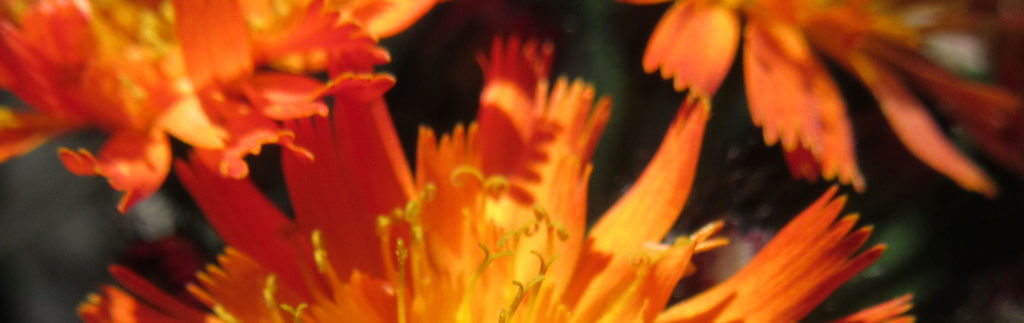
[694, 43]
[113, 305]
[386, 18]
[917, 130]
[248, 132]
[891, 312]
[808, 259]
[21, 132]
[133, 162]
[318, 40]
[795, 101]
[993, 117]
[284, 96]
[213, 39]
[187, 121]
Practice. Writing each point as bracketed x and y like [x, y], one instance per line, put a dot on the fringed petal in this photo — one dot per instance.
[793, 273]
[247, 221]
[214, 40]
[652, 205]
[135, 163]
[890, 312]
[246, 291]
[918, 131]
[22, 132]
[695, 44]
[358, 172]
[795, 101]
[450, 241]
[248, 131]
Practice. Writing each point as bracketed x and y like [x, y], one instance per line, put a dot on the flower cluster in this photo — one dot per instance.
[217, 75]
[795, 101]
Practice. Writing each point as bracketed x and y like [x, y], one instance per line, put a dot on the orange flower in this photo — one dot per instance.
[492, 226]
[192, 69]
[791, 95]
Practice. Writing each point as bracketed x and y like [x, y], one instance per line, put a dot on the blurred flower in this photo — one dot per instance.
[492, 227]
[795, 101]
[140, 70]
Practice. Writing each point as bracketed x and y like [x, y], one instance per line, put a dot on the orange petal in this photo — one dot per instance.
[187, 121]
[319, 40]
[891, 311]
[135, 163]
[283, 96]
[386, 18]
[213, 39]
[694, 43]
[794, 100]
[918, 131]
[807, 260]
[115, 306]
[652, 205]
[21, 132]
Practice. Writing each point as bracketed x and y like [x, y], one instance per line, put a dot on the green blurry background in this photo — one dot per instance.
[958, 252]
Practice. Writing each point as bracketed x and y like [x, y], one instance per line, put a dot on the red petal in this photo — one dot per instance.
[21, 133]
[283, 96]
[247, 221]
[135, 163]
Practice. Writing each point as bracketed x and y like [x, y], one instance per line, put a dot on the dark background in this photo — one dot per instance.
[958, 252]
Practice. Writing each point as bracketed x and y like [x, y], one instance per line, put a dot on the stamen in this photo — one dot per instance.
[402, 254]
[465, 170]
[223, 314]
[488, 258]
[506, 314]
[319, 253]
[269, 288]
[544, 265]
[296, 312]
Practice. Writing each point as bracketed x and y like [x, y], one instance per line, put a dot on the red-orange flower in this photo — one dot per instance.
[191, 69]
[795, 101]
[492, 226]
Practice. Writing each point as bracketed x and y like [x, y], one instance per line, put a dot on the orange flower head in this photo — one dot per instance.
[190, 69]
[794, 100]
[491, 227]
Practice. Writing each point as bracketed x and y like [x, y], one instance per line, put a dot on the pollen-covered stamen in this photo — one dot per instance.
[403, 254]
[506, 314]
[323, 264]
[296, 312]
[223, 314]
